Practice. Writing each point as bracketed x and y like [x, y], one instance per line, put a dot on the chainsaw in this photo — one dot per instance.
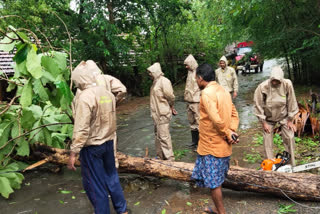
[280, 164]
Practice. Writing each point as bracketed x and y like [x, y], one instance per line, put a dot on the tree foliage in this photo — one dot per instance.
[41, 114]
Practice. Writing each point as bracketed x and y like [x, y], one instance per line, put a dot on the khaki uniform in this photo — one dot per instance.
[119, 91]
[92, 100]
[227, 77]
[161, 100]
[192, 93]
[276, 105]
[113, 85]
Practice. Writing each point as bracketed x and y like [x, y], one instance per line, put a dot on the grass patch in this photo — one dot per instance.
[178, 154]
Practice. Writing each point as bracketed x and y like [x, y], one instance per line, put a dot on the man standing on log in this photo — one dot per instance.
[218, 123]
[162, 109]
[227, 77]
[275, 103]
[192, 97]
[93, 134]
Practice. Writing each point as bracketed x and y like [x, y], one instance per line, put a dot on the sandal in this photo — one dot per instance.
[209, 210]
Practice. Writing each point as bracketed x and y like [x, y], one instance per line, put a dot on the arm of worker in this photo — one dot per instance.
[118, 89]
[169, 95]
[292, 106]
[234, 119]
[210, 106]
[235, 84]
[81, 129]
[258, 109]
[216, 75]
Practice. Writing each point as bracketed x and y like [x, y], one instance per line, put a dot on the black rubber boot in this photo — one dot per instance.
[195, 139]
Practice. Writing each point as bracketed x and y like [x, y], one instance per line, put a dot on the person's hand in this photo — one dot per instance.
[233, 138]
[72, 160]
[291, 126]
[235, 94]
[174, 112]
[266, 127]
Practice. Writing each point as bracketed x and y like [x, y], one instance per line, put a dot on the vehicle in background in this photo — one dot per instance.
[245, 60]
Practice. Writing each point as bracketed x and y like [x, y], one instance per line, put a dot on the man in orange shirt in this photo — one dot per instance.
[217, 125]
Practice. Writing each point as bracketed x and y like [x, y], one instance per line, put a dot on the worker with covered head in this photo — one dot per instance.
[227, 77]
[113, 85]
[192, 97]
[162, 109]
[116, 87]
[275, 103]
[93, 134]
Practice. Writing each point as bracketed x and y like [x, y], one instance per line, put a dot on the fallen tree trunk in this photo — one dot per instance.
[302, 186]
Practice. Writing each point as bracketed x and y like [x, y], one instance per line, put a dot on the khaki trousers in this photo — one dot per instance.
[287, 137]
[163, 141]
[193, 115]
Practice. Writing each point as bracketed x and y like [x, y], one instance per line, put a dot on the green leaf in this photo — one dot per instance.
[5, 129]
[40, 90]
[58, 140]
[15, 130]
[26, 95]
[27, 119]
[11, 86]
[5, 187]
[22, 52]
[23, 148]
[73, 197]
[7, 47]
[64, 89]
[164, 211]
[60, 59]
[50, 65]
[34, 64]
[24, 37]
[36, 111]
[137, 203]
[65, 191]
[47, 137]
[189, 203]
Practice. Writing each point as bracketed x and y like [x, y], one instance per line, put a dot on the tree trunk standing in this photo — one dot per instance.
[110, 10]
[301, 186]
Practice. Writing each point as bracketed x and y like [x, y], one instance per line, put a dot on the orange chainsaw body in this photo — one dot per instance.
[268, 163]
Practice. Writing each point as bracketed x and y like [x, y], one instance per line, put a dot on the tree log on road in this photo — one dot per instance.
[301, 186]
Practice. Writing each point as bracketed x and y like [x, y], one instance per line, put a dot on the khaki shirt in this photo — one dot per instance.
[227, 78]
[192, 91]
[218, 117]
[275, 104]
[93, 110]
[114, 85]
[161, 96]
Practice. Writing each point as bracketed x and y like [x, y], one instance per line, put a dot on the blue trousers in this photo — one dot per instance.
[100, 178]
